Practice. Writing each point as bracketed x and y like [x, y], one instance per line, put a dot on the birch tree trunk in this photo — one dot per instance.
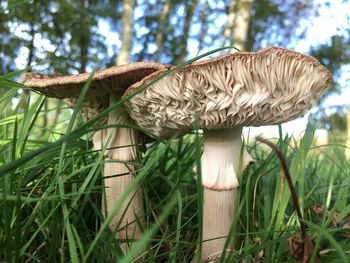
[241, 23]
[31, 55]
[237, 26]
[228, 30]
[162, 22]
[83, 36]
[204, 26]
[127, 32]
[190, 7]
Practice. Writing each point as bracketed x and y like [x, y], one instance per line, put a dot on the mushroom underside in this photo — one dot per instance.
[243, 91]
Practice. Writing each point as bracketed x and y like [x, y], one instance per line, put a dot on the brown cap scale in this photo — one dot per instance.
[271, 86]
[106, 88]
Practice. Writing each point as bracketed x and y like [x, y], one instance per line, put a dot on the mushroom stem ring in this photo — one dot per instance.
[222, 163]
[221, 158]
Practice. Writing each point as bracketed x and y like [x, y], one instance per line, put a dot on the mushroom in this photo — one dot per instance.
[223, 94]
[106, 88]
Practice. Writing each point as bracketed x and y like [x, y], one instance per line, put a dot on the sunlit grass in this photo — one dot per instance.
[50, 192]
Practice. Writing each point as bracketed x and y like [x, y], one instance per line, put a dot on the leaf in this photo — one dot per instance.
[301, 249]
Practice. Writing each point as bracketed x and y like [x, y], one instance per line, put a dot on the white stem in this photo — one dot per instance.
[120, 155]
[221, 166]
[221, 158]
[218, 215]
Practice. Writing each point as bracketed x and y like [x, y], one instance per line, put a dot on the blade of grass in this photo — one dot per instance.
[71, 241]
[146, 237]
[175, 251]
[297, 170]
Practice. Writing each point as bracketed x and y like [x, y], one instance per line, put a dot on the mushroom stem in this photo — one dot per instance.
[221, 158]
[119, 173]
[222, 163]
[218, 215]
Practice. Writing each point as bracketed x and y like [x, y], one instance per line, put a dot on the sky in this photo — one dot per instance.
[330, 21]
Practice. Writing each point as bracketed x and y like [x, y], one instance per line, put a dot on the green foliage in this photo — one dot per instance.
[276, 22]
[335, 53]
[68, 27]
[336, 121]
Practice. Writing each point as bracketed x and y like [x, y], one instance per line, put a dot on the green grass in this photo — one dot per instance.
[51, 185]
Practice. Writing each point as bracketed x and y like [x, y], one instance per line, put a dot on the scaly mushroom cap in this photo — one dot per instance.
[113, 80]
[270, 86]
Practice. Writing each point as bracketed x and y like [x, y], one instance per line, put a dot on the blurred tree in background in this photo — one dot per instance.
[61, 34]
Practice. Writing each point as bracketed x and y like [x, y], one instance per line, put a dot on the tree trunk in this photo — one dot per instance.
[83, 36]
[162, 22]
[190, 7]
[228, 30]
[203, 26]
[241, 23]
[127, 32]
[237, 25]
[25, 94]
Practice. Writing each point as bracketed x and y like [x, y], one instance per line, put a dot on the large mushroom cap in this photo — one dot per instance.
[113, 80]
[266, 87]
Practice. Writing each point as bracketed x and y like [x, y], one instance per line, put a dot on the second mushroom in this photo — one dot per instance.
[106, 88]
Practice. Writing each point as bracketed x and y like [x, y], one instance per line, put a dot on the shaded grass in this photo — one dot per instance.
[50, 202]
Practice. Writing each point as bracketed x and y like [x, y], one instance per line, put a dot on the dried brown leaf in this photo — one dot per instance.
[301, 249]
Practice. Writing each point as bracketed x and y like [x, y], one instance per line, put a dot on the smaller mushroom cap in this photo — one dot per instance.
[270, 86]
[113, 80]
